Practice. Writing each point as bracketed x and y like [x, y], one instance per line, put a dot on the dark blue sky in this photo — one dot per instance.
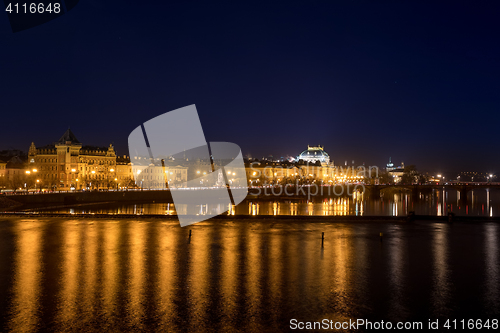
[367, 80]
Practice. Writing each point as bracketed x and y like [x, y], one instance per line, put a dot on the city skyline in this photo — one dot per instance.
[392, 164]
[367, 81]
[249, 166]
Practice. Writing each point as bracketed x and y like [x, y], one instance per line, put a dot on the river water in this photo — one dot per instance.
[241, 274]
[436, 203]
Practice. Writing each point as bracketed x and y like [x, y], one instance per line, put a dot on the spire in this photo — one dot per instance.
[68, 136]
[32, 150]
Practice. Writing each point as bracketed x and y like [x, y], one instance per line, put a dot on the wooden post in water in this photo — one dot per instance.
[189, 240]
[450, 215]
[411, 216]
[322, 238]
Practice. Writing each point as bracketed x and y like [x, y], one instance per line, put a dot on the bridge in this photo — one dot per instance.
[78, 197]
[460, 187]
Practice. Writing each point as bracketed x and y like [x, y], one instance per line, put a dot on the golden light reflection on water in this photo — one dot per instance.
[340, 251]
[138, 275]
[390, 203]
[166, 283]
[231, 209]
[229, 272]
[137, 246]
[492, 292]
[199, 266]
[254, 271]
[274, 267]
[111, 233]
[70, 263]
[88, 286]
[254, 208]
[27, 277]
[276, 208]
[441, 289]
[397, 256]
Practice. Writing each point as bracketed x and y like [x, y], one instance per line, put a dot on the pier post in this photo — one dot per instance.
[411, 216]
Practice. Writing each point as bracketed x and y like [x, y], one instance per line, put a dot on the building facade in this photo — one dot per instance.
[67, 165]
[314, 154]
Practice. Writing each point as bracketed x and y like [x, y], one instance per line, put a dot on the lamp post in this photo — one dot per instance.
[26, 188]
[72, 177]
[138, 173]
[34, 170]
[111, 170]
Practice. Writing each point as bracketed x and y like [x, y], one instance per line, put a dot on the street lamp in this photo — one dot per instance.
[111, 170]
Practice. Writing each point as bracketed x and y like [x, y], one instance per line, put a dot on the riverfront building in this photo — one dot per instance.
[395, 171]
[315, 154]
[67, 164]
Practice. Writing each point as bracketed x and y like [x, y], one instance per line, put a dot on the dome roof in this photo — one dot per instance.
[313, 154]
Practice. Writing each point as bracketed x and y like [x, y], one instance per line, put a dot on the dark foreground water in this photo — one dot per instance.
[242, 274]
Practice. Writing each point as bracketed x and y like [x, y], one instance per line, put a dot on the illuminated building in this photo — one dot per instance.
[67, 164]
[175, 174]
[396, 172]
[3, 168]
[12, 174]
[314, 154]
[124, 176]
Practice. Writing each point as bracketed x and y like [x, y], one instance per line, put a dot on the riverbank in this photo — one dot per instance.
[8, 204]
[305, 219]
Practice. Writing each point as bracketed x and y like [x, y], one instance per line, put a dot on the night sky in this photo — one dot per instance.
[416, 82]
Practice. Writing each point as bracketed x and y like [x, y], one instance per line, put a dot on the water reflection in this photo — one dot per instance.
[111, 233]
[492, 290]
[136, 235]
[89, 270]
[27, 275]
[200, 261]
[397, 255]
[399, 203]
[240, 274]
[441, 283]
[69, 280]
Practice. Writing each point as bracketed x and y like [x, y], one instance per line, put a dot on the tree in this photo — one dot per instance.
[16, 182]
[3, 182]
[410, 174]
[422, 179]
[385, 178]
